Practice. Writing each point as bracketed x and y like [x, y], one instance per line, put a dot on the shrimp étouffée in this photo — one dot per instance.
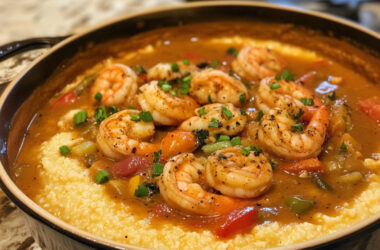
[236, 175]
[255, 63]
[213, 85]
[180, 187]
[117, 84]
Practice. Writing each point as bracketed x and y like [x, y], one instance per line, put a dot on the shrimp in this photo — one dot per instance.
[287, 95]
[181, 186]
[164, 71]
[119, 136]
[216, 113]
[117, 84]
[165, 108]
[254, 63]
[278, 132]
[216, 86]
[236, 175]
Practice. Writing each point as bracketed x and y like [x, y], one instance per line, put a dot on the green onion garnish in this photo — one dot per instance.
[214, 64]
[286, 75]
[242, 98]
[65, 150]
[343, 147]
[139, 70]
[157, 169]
[184, 85]
[113, 109]
[146, 116]
[296, 117]
[131, 107]
[102, 176]
[296, 127]
[227, 113]
[259, 115]
[307, 101]
[166, 87]
[242, 112]
[201, 111]
[98, 96]
[235, 141]
[157, 156]
[186, 61]
[214, 124]
[174, 67]
[275, 85]
[141, 191]
[80, 117]
[100, 114]
[209, 99]
[232, 51]
[245, 150]
[223, 138]
[135, 117]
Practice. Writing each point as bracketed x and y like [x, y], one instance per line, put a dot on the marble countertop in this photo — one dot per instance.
[23, 19]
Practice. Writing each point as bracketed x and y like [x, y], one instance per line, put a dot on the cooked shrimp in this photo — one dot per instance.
[117, 84]
[216, 86]
[180, 186]
[278, 132]
[119, 136]
[236, 175]
[164, 71]
[215, 113]
[286, 96]
[165, 108]
[254, 63]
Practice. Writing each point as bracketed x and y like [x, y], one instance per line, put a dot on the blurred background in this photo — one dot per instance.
[22, 19]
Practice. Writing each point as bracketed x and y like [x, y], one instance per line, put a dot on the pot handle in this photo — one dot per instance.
[10, 49]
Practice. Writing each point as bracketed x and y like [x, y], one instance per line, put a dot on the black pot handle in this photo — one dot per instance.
[13, 48]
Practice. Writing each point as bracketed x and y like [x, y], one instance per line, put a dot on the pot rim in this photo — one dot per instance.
[31, 208]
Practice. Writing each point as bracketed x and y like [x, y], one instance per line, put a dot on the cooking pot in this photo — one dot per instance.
[53, 233]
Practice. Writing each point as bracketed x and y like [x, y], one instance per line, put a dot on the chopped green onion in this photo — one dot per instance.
[139, 70]
[307, 101]
[296, 127]
[343, 147]
[131, 107]
[65, 150]
[214, 64]
[331, 96]
[209, 99]
[211, 148]
[223, 138]
[259, 115]
[232, 51]
[246, 84]
[98, 96]
[275, 85]
[174, 67]
[242, 112]
[201, 111]
[153, 188]
[80, 117]
[214, 124]
[298, 205]
[157, 156]
[320, 182]
[201, 135]
[100, 114]
[173, 92]
[296, 117]
[162, 83]
[227, 113]
[166, 87]
[184, 85]
[256, 149]
[245, 150]
[141, 191]
[220, 156]
[135, 117]
[102, 176]
[235, 141]
[242, 98]
[113, 109]
[186, 61]
[286, 75]
[157, 169]
[146, 116]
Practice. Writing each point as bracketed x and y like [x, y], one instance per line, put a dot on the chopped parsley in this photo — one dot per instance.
[227, 112]
[242, 98]
[100, 114]
[80, 117]
[307, 101]
[65, 150]
[113, 109]
[184, 85]
[235, 141]
[232, 51]
[296, 117]
[285, 75]
[201, 111]
[274, 85]
[98, 96]
[259, 115]
[214, 124]
[201, 135]
[174, 67]
[102, 176]
[141, 191]
[296, 127]
[157, 169]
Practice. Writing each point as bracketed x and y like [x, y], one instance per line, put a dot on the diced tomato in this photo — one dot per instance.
[65, 99]
[310, 165]
[178, 141]
[236, 222]
[190, 55]
[129, 166]
[307, 79]
[371, 107]
[143, 77]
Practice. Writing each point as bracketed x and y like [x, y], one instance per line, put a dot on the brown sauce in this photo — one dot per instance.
[179, 42]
